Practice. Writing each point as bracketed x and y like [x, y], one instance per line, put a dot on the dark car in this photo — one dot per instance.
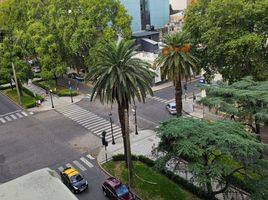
[114, 189]
[73, 180]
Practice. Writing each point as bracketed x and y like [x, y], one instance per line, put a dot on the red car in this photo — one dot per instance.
[114, 189]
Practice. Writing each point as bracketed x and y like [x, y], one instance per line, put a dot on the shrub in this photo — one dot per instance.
[66, 92]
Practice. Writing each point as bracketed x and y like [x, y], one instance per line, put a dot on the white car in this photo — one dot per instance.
[171, 107]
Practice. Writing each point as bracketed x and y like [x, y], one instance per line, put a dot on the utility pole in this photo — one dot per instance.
[16, 82]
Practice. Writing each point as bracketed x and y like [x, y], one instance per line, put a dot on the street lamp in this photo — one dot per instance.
[112, 131]
[194, 98]
[70, 88]
[135, 115]
[50, 91]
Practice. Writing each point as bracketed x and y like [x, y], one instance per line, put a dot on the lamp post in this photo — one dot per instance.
[194, 98]
[135, 116]
[70, 88]
[112, 131]
[50, 91]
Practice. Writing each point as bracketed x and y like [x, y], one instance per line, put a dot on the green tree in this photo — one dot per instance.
[246, 99]
[120, 77]
[232, 37]
[214, 150]
[176, 63]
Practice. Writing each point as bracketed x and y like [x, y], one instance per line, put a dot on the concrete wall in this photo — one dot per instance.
[133, 9]
[159, 12]
[178, 4]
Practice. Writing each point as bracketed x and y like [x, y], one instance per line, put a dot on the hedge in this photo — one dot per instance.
[30, 93]
[177, 179]
[66, 92]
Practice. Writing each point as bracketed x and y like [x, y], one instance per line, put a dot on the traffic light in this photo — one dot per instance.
[104, 142]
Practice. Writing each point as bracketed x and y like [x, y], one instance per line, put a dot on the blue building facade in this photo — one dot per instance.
[152, 12]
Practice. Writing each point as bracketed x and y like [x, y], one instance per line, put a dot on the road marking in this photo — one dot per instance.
[13, 116]
[79, 165]
[10, 113]
[96, 126]
[69, 165]
[31, 113]
[86, 162]
[19, 115]
[102, 128]
[7, 118]
[2, 120]
[60, 169]
[90, 157]
[24, 113]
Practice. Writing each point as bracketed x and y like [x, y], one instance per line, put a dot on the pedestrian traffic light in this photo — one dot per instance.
[104, 142]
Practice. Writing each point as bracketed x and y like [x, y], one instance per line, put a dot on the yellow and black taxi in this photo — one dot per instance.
[73, 180]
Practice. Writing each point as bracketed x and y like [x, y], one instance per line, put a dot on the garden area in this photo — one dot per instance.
[148, 183]
[28, 100]
[56, 89]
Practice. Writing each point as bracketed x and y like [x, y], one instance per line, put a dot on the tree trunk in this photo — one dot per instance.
[209, 190]
[56, 80]
[178, 96]
[11, 85]
[128, 147]
[20, 88]
[123, 129]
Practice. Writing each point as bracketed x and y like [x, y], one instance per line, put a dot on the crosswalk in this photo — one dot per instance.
[156, 98]
[9, 117]
[90, 121]
[82, 164]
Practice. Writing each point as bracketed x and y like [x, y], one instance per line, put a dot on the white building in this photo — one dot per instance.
[178, 4]
[43, 184]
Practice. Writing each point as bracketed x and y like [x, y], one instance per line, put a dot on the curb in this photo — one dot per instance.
[12, 101]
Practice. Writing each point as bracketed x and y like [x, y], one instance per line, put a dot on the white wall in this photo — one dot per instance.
[178, 4]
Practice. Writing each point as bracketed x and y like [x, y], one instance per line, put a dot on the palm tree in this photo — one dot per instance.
[119, 76]
[176, 63]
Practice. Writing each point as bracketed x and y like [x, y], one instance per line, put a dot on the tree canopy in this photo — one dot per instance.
[62, 33]
[247, 99]
[231, 36]
[215, 150]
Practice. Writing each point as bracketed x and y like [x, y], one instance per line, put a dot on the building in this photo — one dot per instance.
[42, 184]
[178, 4]
[154, 13]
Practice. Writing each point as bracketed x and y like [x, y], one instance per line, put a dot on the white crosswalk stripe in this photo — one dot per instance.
[90, 121]
[2, 120]
[82, 164]
[90, 157]
[12, 116]
[86, 162]
[60, 168]
[69, 165]
[8, 118]
[159, 99]
[79, 165]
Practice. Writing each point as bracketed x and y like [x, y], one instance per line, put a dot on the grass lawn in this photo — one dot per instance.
[26, 100]
[60, 90]
[148, 183]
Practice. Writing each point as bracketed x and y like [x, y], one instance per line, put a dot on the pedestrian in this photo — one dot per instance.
[233, 117]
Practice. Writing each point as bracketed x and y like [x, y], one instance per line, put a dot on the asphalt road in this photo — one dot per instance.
[47, 139]
[7, 106]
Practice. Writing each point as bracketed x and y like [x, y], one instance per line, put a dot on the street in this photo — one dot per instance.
[6, 106]
[70, 135]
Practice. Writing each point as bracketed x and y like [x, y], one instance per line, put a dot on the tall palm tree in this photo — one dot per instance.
[119, 76]
[176, 63]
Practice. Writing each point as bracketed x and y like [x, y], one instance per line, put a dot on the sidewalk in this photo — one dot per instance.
[47, 104]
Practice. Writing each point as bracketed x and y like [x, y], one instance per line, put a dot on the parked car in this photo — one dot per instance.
[73, 180]
[72, 75]
[36, 69]
[114, 189]
[171, 107]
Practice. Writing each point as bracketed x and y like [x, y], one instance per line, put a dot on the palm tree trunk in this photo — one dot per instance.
[123, 112]
[178, 96]
[123, 129]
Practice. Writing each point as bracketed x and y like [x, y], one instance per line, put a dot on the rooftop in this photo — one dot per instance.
[144, 33]
[42, 184]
